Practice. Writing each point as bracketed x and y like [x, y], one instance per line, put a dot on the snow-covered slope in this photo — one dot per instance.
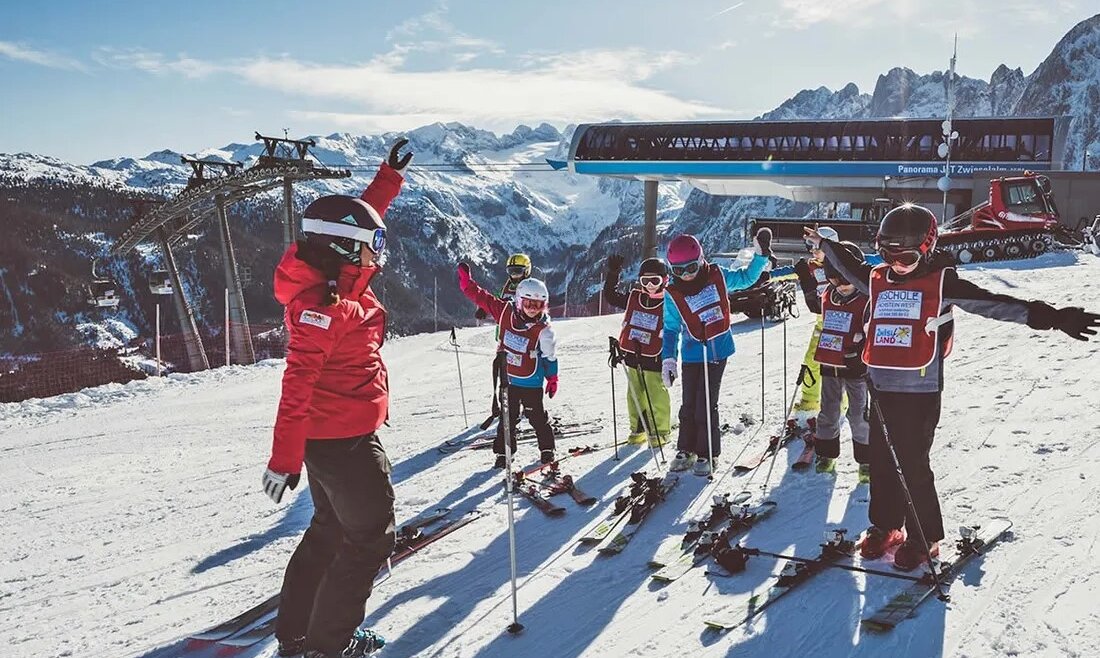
[134, 515]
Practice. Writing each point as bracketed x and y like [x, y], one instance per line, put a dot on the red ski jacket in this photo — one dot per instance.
[335, 384]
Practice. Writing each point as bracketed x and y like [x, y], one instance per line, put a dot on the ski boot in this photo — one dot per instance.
[865, 474]
[546, 457]
[657, 441]
[824, 464]
[292, 647]
[501, 463]
[876, 542]
[681, 462]
[363, 643]
[636, 438]
[704, 467]
[911, 555]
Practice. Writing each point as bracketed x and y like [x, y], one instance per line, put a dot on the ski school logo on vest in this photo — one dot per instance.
[839, 321]
[516, 345]
[646, 324]
[701, 300]
[831, 342]
[899, 304]
[893, 335]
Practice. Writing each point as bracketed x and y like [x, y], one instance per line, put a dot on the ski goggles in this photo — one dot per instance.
[687, 269]
[375, 238]
[533, 305]
[517, 271]
[904, 257]
[651, 280]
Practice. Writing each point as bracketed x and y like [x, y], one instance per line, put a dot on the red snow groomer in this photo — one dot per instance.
[1020, 220]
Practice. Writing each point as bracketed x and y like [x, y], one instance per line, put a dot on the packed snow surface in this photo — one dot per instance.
[133, 515]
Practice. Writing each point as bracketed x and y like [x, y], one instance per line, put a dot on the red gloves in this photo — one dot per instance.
[551, 385]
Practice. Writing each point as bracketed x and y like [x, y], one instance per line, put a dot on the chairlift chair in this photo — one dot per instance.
[160, 283]
[102, 291]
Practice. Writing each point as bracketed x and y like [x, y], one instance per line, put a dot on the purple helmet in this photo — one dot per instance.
[684, 249]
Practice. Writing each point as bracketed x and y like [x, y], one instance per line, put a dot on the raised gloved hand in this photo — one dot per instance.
[615, 263]
[398, 161]
[552, 386]
[464, 276]
[668, 372]
[762, 243]
[1074, 321]
[812, 237]
[275, 484]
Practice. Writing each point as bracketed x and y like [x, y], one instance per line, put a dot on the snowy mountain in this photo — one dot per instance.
[489, 205]
[136, 516]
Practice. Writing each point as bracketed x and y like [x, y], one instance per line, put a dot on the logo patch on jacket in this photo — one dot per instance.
[316, 319]
[894, 335]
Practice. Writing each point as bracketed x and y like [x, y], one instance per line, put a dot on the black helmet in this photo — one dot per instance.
[908, 227]
[342, 223]
[653, 266]
[832, 273]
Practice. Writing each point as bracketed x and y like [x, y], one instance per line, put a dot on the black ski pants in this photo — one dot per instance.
[331, 574]
[911, 420]
[530, 401]
[694, 410]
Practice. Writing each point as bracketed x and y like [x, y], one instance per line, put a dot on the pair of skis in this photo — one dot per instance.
[837, 552]
[257, 623]
[483, 439]
[615, 530]
[707, 536]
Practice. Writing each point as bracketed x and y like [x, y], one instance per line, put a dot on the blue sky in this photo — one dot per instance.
[90, 80]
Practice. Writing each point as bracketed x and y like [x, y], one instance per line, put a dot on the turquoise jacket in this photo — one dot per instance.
[720, 347]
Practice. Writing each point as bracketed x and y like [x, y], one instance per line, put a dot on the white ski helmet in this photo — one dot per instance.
[828, 233]
[532, 289]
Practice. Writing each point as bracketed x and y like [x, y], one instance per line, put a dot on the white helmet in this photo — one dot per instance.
[532, 289]
[828, 233]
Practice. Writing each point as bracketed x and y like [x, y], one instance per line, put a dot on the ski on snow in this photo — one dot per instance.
[555, 482]
[655, 491]
[721, 535]
[836, 547]
[972, 543]
[618, 510]
[791, 431]
[241, 631]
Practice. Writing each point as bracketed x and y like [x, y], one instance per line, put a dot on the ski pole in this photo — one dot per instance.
[614, 414]
[786, 419]
[506, 431]
[905, 489]
[645, 423]
[652, 414]
[762, 367]
[461, 388]
[706, 396]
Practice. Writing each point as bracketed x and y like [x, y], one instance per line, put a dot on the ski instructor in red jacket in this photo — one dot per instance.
[334, 398]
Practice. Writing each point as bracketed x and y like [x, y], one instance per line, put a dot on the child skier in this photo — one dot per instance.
[811, 278]
[838, 352]
[909, 334]
[526, 337]
[335, 397]
[697, 321]
[640, 341]
[518, 269]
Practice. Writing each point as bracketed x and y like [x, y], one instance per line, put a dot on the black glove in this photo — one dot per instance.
[763, 241]
[1074, 321]
[397, 161]
[615, 263]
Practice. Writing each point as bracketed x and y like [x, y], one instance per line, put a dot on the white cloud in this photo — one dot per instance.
[156, 63]
[802, 14]
[579, 86]
[21, 53]
[726, 45]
